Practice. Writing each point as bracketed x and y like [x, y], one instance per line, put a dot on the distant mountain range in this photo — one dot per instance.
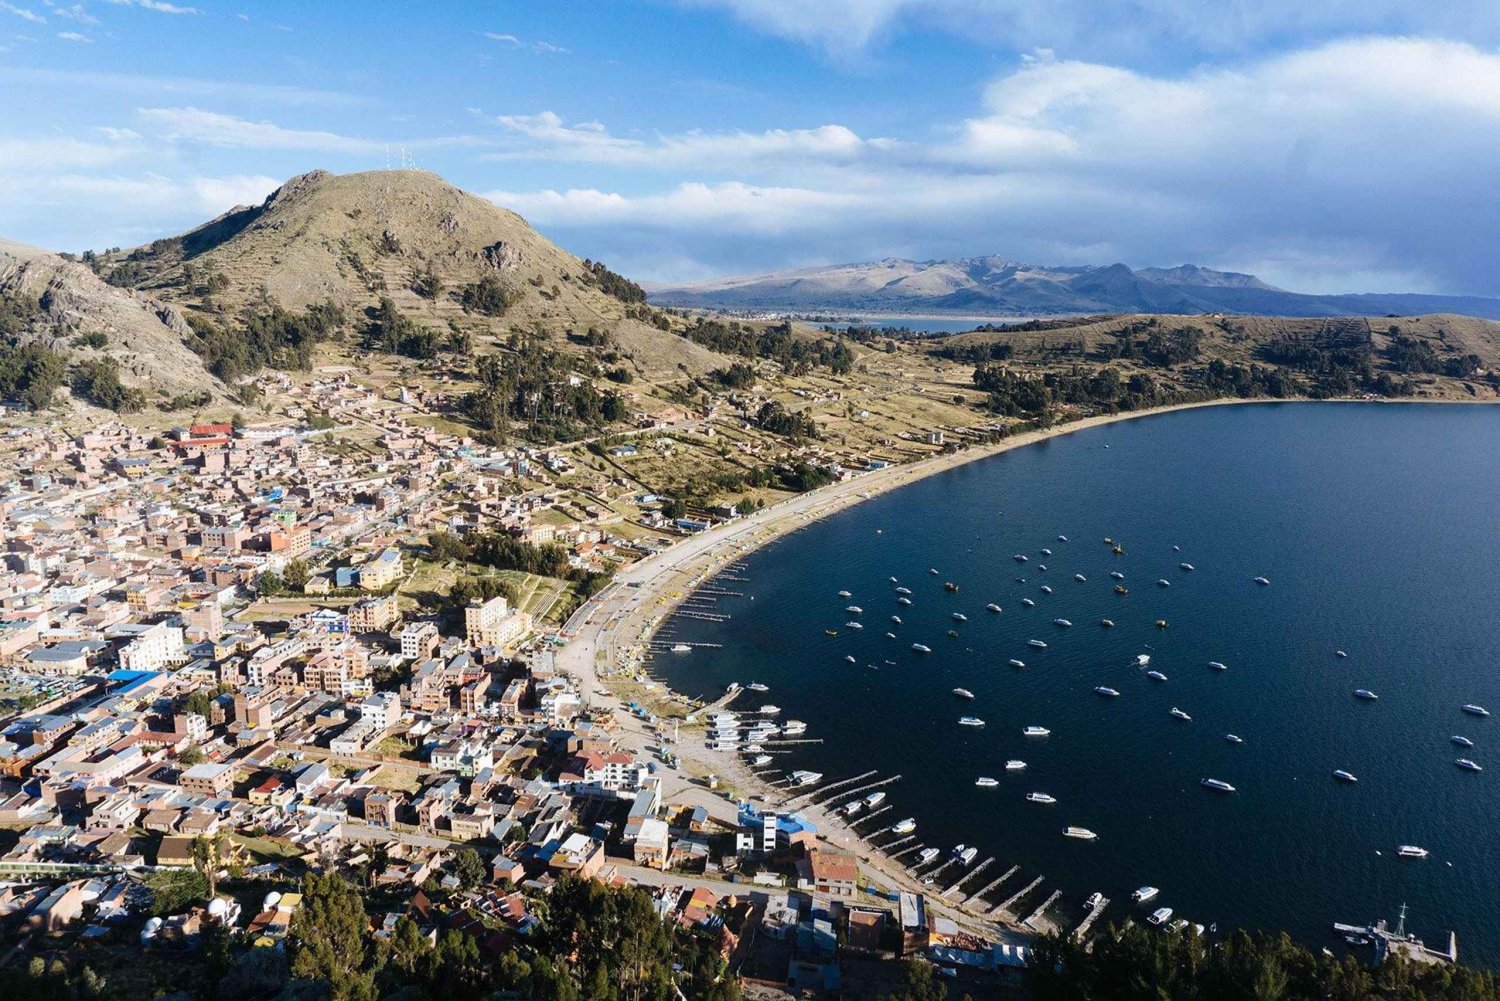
[997, 286]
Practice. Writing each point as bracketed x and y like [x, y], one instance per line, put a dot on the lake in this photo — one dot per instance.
[1377, 527]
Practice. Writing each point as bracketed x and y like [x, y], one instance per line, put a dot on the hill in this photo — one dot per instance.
[998, 286]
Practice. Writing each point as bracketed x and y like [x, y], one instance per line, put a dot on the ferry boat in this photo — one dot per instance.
[756, 686]
[1028, 602]
[890, 636]
[851, 624]
[1156, 676]
[1040, 645]
[1015, 765]
[985, 782]
[1017, 663]
[1468, 765]
[926, 855]
[963, 693]
[803, 777]
[1262, 582]
[1366, 694]
[970, 721]
[1186, 566]
[1021, 558]
[1217, 785]
[1081, 833]
[1121, 589]
[1061, 622]
[960, 617]
[1117, 575]
[921, 648]
[1107, 623]
[1046, 589]
[1474, 710]
[874, 799]
[855, 610]
[1036, 731]
[1106, 690]
[1461, 741]
[905, 826]
[1217, 665]
[1144, 894]
[769, 710]
[1160, 916]
[1234, 738]
[1179, 714]
[1412, 851]
[1344, 776]
[1039, 797]
[992, 607]
[903, 600]
[1080, 578]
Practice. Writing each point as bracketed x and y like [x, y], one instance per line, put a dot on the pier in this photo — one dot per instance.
[1014, 898]
[986, 888]
[851, 793]
[1035, 915]
[828, 787]
[907, 851]
[896, 844]
[981, 867]
[1082, 930]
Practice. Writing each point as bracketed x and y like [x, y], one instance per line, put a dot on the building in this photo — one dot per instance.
[494, 623]
[151, 647]
[381, 710]
[208, 779]
[373, 615]
[829, 871]
[651, 844]
[419, 640]
[383, 571]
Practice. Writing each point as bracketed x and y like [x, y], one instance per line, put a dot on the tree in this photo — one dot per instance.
[198, 703]
[469, 868]
[269, 584]
[206, 860]
[190, 756]
[295, 574]
[327, 939]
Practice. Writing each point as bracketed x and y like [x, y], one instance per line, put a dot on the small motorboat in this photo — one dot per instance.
[830, 632]
[1039, 797]
[1474, 710]
[1017, 663]
[1156, 676]
[1107, 623]
[1061, 622]
[896, 619]
[1144, 894]
[1469, 765]
[1020, 558]
[970, 721]
[1040, 645]
[1046, 589]
[1345, 776]
[845, 594]
[1142, 659]
[1179, 714]
[1121, 589]
[921, 648]
[903, 600]
[1081, 833]
[1234, 738]
[1028, 602]
[1117, 575]
[890, 636]
[1015, 765]
[1461, 741]
[992, 607]
[1217, 785]
[985, 782]
[905, 826]
[1080, 578]
[926, 855]
[1412, 851]
[932, 570]
[850, 658]
[1366, 694]
[903, 590]
[1105, 690]
[1186, 566]
[959, 617]
[1340, 653]
[1263, 582]
[851, 624]
[1161, 623]
[756, 686]
[1164, 582]
[963, 693]
[1062, 538]
[1046, 552]
[855, 610]
[950, 587]
[1160, 916]
[1036, 731]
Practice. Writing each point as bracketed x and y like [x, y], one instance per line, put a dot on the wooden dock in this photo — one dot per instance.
[1034, 916]
[1011, 901]
[986, 888]
[981, 867]
[848, 794]
[827, 787]
[870, 816]
[1082, 930]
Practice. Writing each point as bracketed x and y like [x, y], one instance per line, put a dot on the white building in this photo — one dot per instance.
[381, 710]
[494, 623]
[418, 639]
[152, 648]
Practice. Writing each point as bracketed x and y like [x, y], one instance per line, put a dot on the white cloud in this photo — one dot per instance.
[25, 13]
[1354, 160]
[59, 153]
[214, 129]
[537, 46]
[498, 37]
[76, 12]
[73, 36]
[157, 5]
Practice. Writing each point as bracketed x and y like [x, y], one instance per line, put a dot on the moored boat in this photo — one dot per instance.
[1144, 894]
[1106, 690]
[1036, 731]
[1218, 665]
[1015, 765]
[963, 693]
[1156, 676]
[1469, 765]
[1474, 710]
[1345, 776]
[1039, 797]
[1081, 833]
[1040, 645]
[1412, 851]
[921, 648]
[1366, 694]
[985, 782]
[1160, 916]
[992, 607]
[1217, 785]
[1179, 714]
[1017, 663]
[970, 721]
[905, 826]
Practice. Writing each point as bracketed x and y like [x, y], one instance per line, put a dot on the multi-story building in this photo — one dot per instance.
[419, 640]
[373, 615]
[151, 647]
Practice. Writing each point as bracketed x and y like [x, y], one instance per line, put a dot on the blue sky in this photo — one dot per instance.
[1326, 146]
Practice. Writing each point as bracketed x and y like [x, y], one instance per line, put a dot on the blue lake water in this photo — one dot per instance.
[1379, 528]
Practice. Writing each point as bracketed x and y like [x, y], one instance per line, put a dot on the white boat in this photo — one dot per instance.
[1186, 566]
[1093, 900]
[1412, 851]
[1468, 765]
[926, 855]
[1217, 785]
[1080, 578]
[1036, 731]
[1344, 776]
[967, 855]
[1081, 833]
[1015, 765]
[893, 580]
[756, 686]
[903, 590]
[1340, 653]
[960, 617]
[803, 777]
[921, 648]
[1019, 558]
[1461, 741]
[850, 658]
[1366, 694]
[905, 826]
[963, 693]
[845, 594]
[1160, 916]
[896, 619]
[1178, 713]
[1164, 582]
[1142, 659]
[1046, 552]
[760, 760]
[903, 600]
[985, 782]
[1028, 602]
[853, 625]
[1234, 738]
[1039, 797]
[992, 607]
[932, 570]
[1037, 643]
[855, 610]
[1262, 582]
[1474, 710]
[850, 809]
[1046, 589]
[1156, 676]
[890, 636]
[1144, 894]
[1061, 622]
[793, 727]
[970, 721]
[1017, 663]
[1117, 575]
[874, 799]
[1218, 665]
[1106, 690]
[1107, 623]
[769, 710]
[1062, 538]
[681, 648]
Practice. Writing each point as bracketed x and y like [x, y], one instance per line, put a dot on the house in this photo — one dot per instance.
[383, 571]
[175, 851]
[208, 779]
[829, 871]
[651, 844]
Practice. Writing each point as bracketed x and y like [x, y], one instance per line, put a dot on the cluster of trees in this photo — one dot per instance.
[736, 376]
[975, 354]
[394, 333]
[489, 296]
[529, 383]
[277, 339]
[471, 589]
[1017, 394]
[98, 381]
[613, 284]
[776, 342]
[793, 424]
[1411, 354]
[504, 551]
[1138, 963]
[1159, 347]
[31, 373]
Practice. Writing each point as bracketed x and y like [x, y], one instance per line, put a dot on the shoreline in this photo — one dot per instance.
[608, 635]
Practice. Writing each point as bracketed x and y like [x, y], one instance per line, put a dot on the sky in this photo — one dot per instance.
[1324, 145]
